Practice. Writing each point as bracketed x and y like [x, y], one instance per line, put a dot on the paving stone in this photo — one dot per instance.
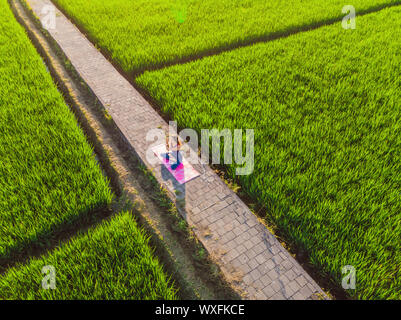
[255, 274]
[241, 249]
[260, 259]
[247, 279]
[253, 264]
[260, 296]
[298, 296]
[290, 275]
[251, 254]
[277, 296]
[301, 280]
[306, 292]
[275, 285]
[233, 254]
[294, 286]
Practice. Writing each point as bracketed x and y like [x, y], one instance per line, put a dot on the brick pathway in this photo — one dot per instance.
[244, 249]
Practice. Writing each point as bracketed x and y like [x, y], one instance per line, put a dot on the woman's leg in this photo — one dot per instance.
[178, 156]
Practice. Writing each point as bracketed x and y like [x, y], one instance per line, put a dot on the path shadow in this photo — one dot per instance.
[178, 189]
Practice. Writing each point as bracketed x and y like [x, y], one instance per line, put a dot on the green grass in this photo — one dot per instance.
[325, 106]
[48, 174]
[111, 261]
[140, 34]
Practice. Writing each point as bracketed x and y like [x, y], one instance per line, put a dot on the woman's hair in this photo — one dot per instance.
[174, 137]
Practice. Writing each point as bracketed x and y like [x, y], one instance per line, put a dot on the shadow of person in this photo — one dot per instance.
[178, 189]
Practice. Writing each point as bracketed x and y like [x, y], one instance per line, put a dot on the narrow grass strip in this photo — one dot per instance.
[48, 174]
[111, 261]
[142, 34]
[325, 107]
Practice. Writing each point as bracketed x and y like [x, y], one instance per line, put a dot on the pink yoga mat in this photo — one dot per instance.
[183, 173]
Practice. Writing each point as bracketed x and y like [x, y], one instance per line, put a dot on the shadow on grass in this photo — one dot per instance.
[47, 241]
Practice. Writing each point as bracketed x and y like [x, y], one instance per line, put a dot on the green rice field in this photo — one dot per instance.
[48, 173]
[110, 261]
[50, 179]
[324, 103]
[325, 107]
[139, 34]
